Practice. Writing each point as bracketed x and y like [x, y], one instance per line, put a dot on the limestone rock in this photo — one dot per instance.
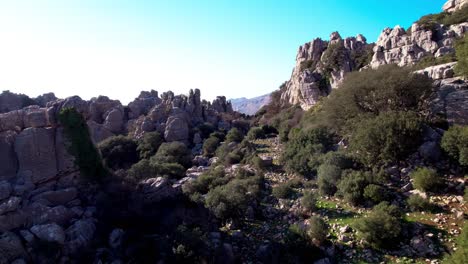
[59, 197]
[79, 235]
[8, 161]
[5, 190]
[10, 247]
[443, 71]
[12, 121]
[114, 120]
[157, 189]
[10, 205]
[35, 149]
[143, 103]
[454, 5]
[10, 101]
[34, 117]
[49, 233]
[177, 129]
[98, 132]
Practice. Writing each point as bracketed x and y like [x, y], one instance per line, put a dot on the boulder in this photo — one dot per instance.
[423, 246]
[454, 5]
[177, 129]
[114, 120]
[98, 132]
[10, 205]
[35, 149]
[49, 233]
[34, 117]
[79, 235]
[443, 71]
[5, 190]
[430, 151]
[11, 247]
[157, 189]
[116, 238]
[12, 121]
[59, 197]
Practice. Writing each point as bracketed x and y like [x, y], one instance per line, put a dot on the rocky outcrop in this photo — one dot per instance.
[438, 72]
[454, 5]
[322, 66]
[450, 101]
[250, 106]
[396, 46]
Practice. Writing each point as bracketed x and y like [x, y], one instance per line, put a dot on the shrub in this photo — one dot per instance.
[327, 178]
[301, 154]
[417, 203]
[258, 163]
[210, 145]
[234, 135]
[382, 227]
[338, 159]
[351, 186]
[461, 51]
[81, 147]
[370, 92]
[142, 170]
[149, 144]
[206, 181]
[334, 57]
[170, 170]
[425, 179]
[455, 143]
[283, 191]
[205, 129]
[256, 133]
[233, 198]
[317, 230]
[387, 138]
[119, 152]
[309, 201]
[174, 152]
[375, 193]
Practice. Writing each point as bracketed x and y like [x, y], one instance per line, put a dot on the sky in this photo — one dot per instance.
[117, 48]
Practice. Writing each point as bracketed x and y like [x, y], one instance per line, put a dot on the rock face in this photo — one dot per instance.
[406, 48]
[438, 72]
[451, 101]
[322, 66]
[454, 5]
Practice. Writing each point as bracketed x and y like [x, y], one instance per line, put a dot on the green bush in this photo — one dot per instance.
[455, 143]
[327, 178]
[233, 198]
[338, 159]
[461, 51]
[206, 181]
[317, 230]
[149, 144]
[303, 150]
[368, 93]
[234, 135]
[210, 145]
[118, 152]
[205, 129]
[81, 147]
[425, 179]
[375, 193]
[283, 191]
[220, 135]
[170, 170]
[388, 138]
[334, 57]
[142, 171]
[382, 227]
[256, 133]
[309, 201]
[351, 186]
[417, 203]
[174, 152]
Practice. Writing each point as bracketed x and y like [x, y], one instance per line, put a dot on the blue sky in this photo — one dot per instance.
[237, 48]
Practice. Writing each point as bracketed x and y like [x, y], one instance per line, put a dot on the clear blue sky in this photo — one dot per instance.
[237, 48]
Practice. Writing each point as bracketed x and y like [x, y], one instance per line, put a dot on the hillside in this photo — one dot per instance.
[361, 157]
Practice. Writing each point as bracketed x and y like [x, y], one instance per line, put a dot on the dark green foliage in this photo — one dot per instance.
[258, 163]
[362, 57]
[308, 65]
[461, 254]
[220, 135]
[309, 201]
[190, 244]
[336, 158]
[425, 179]
[461, 51]
[232, 158]
[299, 246]
[318, 230]
[233, 198]
[368, 93]
[118, 152]
[149, 144]
[170, 170]
[327, 178]
[388, 138]
[417, 203]
[351, 186]
[455, 143]
[210, 145]
[269, 130]
[375, 193]
[283, 191]
[256, 133]
[206, 181]
[456, 17]
[303, 150]
[234, 135]
[81, 147]
[174, 152]
[382, 227]
[141, 171]
[205, 129]
[334, 56]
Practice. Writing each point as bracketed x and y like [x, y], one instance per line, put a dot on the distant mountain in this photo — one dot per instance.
[250, 106]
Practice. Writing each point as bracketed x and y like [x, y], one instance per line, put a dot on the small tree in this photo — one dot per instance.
[119, 152]
[256, 133]
[425, 179]
[309, 201]
[149, 144]
[234, 135]
[455, 143]
[327, 178]
[417, 203]
[317, 230]
[210, 145]
[351, 187]
[174, 152]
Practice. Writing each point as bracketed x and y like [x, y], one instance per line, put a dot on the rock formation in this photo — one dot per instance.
[250, 106]
[321, 66]
[454, 5]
